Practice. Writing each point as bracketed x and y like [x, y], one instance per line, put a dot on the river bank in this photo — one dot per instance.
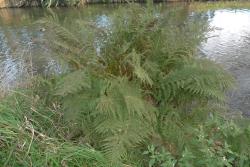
[61, 3]
[134, 93]
[108, 89]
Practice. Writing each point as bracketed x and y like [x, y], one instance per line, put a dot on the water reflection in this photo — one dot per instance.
[230, 45]
[23, 51]
[231, 27]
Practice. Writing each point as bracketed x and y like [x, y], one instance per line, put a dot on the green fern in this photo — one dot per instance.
[70, 85]
[140, 87]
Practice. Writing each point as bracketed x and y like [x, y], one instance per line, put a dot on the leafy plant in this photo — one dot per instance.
[134, 84]
[132, 87]
[159, 158]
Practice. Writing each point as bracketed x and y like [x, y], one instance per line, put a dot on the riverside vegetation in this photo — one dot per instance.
[201, 5]
[134, 95]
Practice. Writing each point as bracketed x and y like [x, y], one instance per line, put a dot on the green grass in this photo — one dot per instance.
[34, 134]
[28, 137]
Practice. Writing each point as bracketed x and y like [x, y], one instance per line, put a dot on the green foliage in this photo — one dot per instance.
[139, 84]
[131, 86]
[207, 144]
[25, 142]
[49, 3]
[160, 158]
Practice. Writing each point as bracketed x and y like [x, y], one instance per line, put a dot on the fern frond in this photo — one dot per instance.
[59, 31]
[107, 105]
[73, 83]
[195, 80]
[142, 75]
[123, 134]
[131, 97]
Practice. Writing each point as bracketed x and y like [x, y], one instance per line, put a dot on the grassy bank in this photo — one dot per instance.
[34, 134]
[198, 5]
[134, 95]
[30, 136]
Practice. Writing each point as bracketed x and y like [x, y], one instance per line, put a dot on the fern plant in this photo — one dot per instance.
[135, 87]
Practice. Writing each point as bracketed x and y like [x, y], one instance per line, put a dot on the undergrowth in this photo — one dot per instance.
[134, 95]
[30, 136]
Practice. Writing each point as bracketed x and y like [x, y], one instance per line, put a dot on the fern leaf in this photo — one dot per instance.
[124, 134]
[73, 83]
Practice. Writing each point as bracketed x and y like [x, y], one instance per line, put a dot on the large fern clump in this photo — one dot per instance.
[133, 83]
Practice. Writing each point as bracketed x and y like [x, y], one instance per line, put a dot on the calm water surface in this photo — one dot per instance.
[22, 52]
[230, 45]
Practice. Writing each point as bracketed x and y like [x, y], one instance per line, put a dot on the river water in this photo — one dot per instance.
[22, 52]
[230, 45]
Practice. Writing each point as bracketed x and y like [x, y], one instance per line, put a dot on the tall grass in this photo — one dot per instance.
[31, 136]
